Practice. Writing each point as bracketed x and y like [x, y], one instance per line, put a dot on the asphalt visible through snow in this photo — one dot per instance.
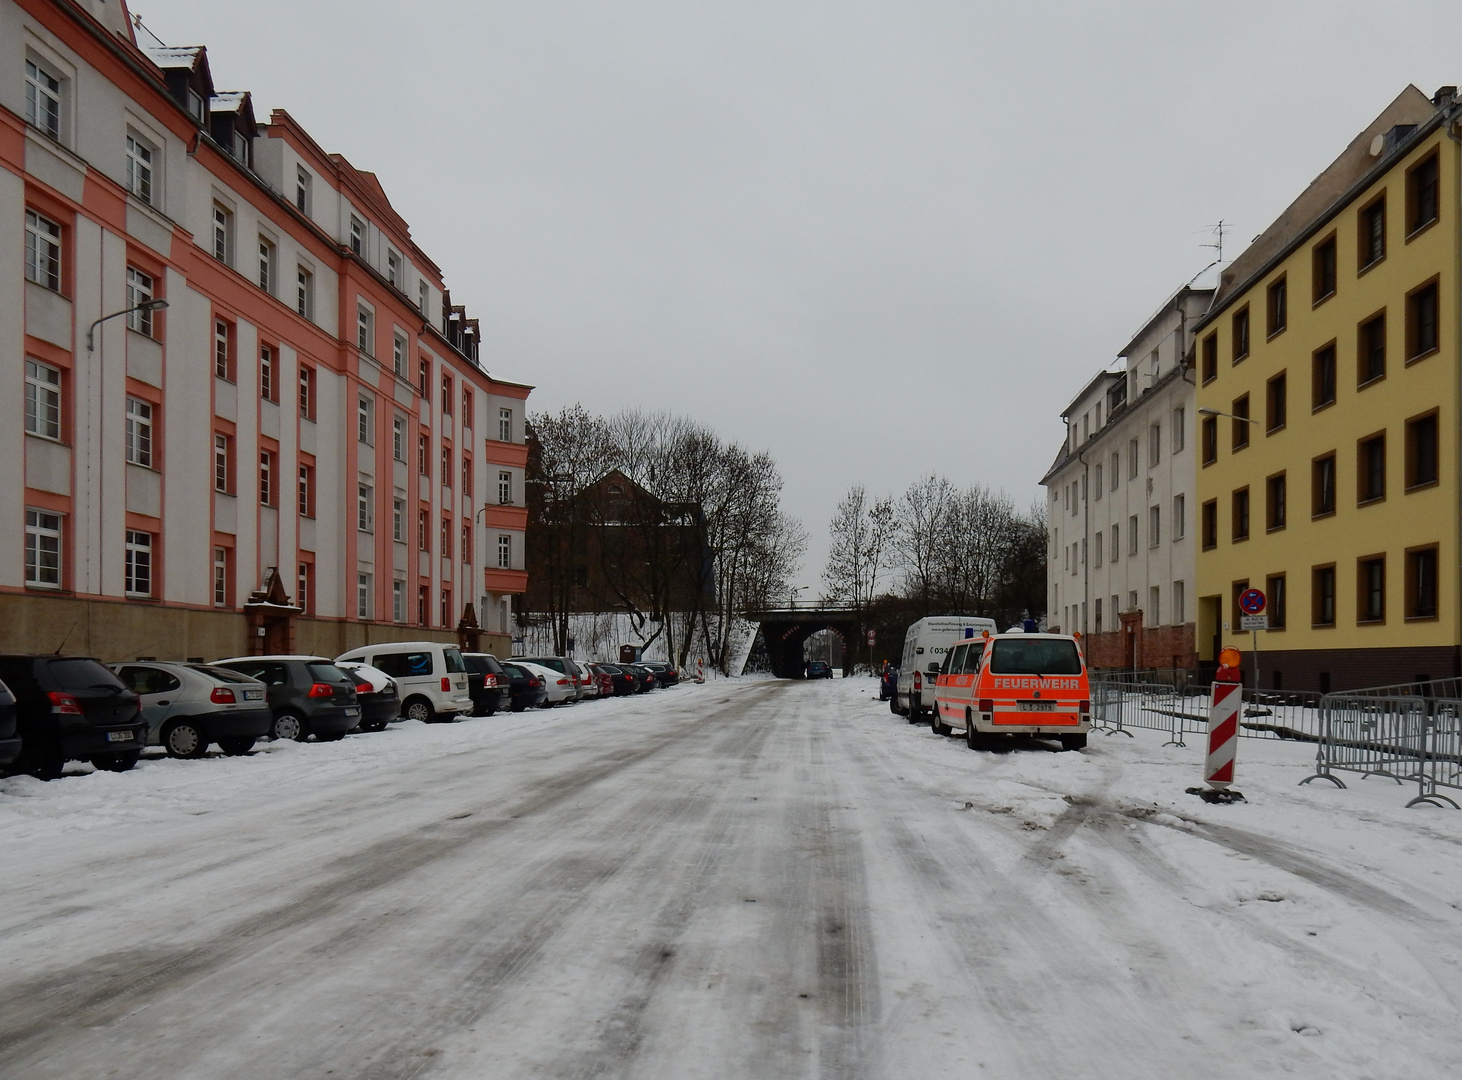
[744, 879]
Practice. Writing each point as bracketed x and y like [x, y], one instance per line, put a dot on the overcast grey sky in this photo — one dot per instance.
[877, 239]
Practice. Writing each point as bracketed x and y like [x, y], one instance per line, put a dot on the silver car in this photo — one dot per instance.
[187, 707]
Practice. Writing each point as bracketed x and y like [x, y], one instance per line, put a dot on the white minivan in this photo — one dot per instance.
[924, 647]
[432, 677]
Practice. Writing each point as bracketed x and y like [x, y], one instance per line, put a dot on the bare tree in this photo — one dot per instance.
[921, 513]
[861, 532]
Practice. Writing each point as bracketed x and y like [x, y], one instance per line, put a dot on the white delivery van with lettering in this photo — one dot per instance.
[924, 647]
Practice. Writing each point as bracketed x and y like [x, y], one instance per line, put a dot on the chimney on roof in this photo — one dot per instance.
[1444, 96]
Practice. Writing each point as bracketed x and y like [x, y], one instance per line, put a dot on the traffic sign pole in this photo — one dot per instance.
[1252, 603]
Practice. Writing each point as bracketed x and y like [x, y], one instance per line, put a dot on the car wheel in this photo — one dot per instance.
[418, 708]
[184, 739]
[329, 736]
[117, 762]
[41, 758]
[975, 740]
[373, 725]
[913, 713]
[893, 705]
[1073, 742]
[289, 725]
[937, 723]
[236, 747]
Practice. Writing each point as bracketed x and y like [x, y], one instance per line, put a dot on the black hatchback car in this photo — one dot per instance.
[527, 689]
[487, 700]
[71, 708]
[308, 694]
[624, 680]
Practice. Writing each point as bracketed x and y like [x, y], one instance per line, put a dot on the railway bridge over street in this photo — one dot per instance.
[786, 629]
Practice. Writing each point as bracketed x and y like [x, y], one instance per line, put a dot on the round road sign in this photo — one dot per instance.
[1252, 601]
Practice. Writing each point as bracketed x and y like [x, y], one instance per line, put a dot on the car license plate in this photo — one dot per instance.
[352, 712]
[253, 695]
[119, 736]
[1035, 706]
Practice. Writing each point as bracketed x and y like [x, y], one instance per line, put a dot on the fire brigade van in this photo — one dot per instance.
[954, 688]
[1023, 684]
[924, 647]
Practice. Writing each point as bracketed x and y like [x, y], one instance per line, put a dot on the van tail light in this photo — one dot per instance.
[64, 704]
[322, 689]
[987, 705]
[364, 688]
[918, 682]
[1085, 708]
[446, 685]
[222, 695]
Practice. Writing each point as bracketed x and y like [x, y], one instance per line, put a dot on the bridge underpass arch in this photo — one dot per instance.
[786, 632]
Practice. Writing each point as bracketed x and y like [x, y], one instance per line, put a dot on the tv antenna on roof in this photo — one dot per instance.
[1217, 232]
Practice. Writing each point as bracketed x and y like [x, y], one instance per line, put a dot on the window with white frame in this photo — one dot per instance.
[222, 462]
[398, 354]
[138, 580]
[139, 168]
[139, 432]
[268, 374]
[307, 490]
[223, 233]
[423, 296]
[398, 519]
[398, 437]
[1154, 526]
[465, 551]
[1180, 416]
[266, 264]
[363, 596]
[197, 107]
[302, 189]
[42, 399]
[1154, 445]
[365, 330]
[42, 549]
[393, 267]
[139, 290]
[1132, 540]
[42, 251]
[1180, 515]
[304, 596]
[266, 478]
[1154, 606]
[505, 488]
[505, 552]
[365, 504]
[398, 600]
[304, 295]
[42, 100]
[223, 366]
[220, 577]
[505, 425]
[1179, 615]
[357, 235]
[1132, 459]
[365, 426]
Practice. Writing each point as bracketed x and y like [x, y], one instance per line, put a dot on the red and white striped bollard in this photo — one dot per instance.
[1223, 731]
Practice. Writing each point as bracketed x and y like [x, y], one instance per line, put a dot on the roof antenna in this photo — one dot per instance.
[137, 22]
[64, 640]
[1217, 246]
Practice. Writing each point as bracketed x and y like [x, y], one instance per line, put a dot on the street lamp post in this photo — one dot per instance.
[146, 305]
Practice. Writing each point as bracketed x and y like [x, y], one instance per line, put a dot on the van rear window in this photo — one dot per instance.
[1013, 656]
[453, 659]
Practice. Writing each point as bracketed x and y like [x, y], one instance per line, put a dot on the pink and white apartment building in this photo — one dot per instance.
[301, 450]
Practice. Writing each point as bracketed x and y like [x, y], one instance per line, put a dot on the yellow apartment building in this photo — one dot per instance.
[1328, 407]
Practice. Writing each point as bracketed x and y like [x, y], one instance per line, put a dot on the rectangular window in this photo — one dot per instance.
[139, 291]
[138, 433]
[398, 437]
[302, 190]
[268, 374]
[1154, 606]
[466, 478]
[220, 577]
[1210, 524]
[1097, 615]
[1240, 332]
[398, 355]
[466, 406]
[446, 607]
[1132, 535]
[42, 399]
[1371, 468]
[365, 331]
[1098, 551]
[466, 548]
[1322, 486]
[423, 375]
[505, 488]
[423, 532]
[304, 596]
[1097, 483]
[1322, 595]
[446, 538]
[42, 251]
[1116, 470]
[421, 605]
[266, 478]
[1180, 515]
[223, 229]
[393, 267]
[1370, 589]
[1276, 305]
[1423, 193]
[42, 100]
[307, 491]
[446, 466]
[1371, 350]
[357, 235]
[1322, 377]
[1421, 321]
[365, 508]
[1241, 514]
[1240, 424]
[1179, 603]
[223, 464]
[1154, 445]
[423, 296]
[1277, 601]
[446, 394]
[1276, 403]
[398, 520]
[42, 549]
[505, 552]
[1421, 451]
[1180, 423]
[1276, 498]
[1323, 265]
[304, 295]
[423, 454]
[505, 425]
[1210, 439]
[1421, 582]
[307, 392]
[1131, 459]
[266, 265]
[1154, 526]
[363, 596]
[365, 421]
[139, 169]
[1371, 233]
[1116, 542]
[138, 563]
[398, 601]
[1210, 358]
[223, 350]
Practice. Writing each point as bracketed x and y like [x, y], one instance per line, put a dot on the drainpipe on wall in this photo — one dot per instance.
[1449, 125]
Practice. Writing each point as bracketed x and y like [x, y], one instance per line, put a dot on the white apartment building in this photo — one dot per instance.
[1120, 566]
[301, 450]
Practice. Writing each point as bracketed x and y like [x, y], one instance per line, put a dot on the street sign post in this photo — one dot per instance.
[1252, 603]
[1254, 622]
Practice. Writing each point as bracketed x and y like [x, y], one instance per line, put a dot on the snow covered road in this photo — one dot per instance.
[749, 879]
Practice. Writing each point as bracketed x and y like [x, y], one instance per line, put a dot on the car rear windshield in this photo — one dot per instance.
[219, 673]
[1012, 656]
[328, 673]
[80, 673]
[454, 660]
[513, 671]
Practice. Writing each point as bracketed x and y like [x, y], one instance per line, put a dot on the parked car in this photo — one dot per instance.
[560, 687]
[380, 701]
[431, 677]
[487, 684]
[621, 681]
[602, 679]
[188, 707]
[307, 695]
[561, 664]
[819, 669]
[588, 680]
[644, 677]
[665, 674]
[71, 708]
[526, 689]
[9, 733]
[888, 683]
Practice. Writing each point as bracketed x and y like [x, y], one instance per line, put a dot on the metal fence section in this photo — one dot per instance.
[1121, 704]
[1267, 714]
[1409, 736]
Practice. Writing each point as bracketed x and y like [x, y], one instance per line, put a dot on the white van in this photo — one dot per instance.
[432, 677]
[924, 647]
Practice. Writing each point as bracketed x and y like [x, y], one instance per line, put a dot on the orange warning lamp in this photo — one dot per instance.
[1229, 659]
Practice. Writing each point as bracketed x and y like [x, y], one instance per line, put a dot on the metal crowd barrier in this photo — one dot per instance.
[1410, 736]
[1121, 704]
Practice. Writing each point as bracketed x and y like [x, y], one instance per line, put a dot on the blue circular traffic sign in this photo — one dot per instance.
[1252, 601]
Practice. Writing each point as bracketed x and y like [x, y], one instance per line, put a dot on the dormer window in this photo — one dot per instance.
[241, 148]
[196, 107]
